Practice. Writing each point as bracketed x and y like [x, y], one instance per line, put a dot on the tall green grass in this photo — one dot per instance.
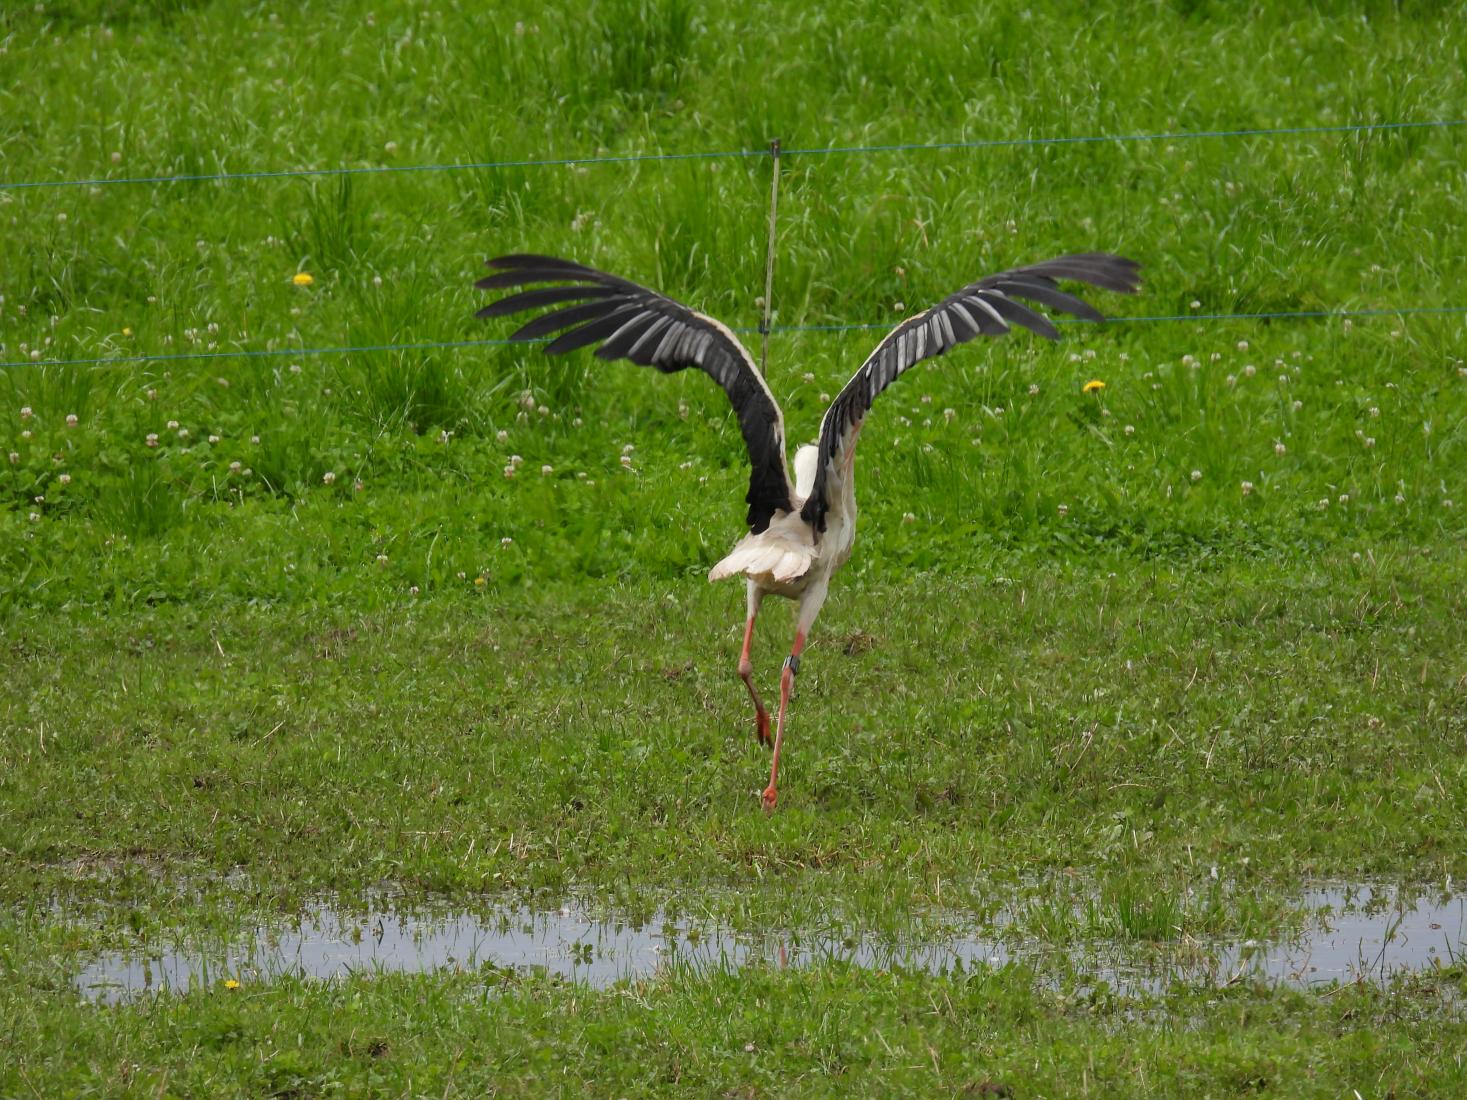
[1210, 438]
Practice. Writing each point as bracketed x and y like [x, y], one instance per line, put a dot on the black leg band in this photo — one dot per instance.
[793, 664]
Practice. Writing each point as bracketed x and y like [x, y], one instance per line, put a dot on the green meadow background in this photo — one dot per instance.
[308, 588]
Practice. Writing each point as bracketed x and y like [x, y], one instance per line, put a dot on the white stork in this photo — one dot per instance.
[800, 533]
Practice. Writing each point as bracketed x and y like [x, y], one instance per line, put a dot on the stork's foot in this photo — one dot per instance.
[770, 797]
[761, 723]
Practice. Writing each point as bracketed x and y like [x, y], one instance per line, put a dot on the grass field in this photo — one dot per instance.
[1133, 664]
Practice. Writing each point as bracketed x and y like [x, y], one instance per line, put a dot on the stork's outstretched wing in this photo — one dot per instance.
[984, 308]
[632, 322]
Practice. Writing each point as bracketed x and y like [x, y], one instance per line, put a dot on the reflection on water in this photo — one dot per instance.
[1356, 933]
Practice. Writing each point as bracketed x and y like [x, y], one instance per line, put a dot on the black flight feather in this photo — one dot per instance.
[632, 322]
[986, 307]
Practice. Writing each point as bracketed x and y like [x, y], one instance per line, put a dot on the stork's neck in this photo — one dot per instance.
[807, 460]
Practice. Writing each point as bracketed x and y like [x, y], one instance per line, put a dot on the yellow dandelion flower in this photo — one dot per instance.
[230, 983]
[1093, 386]
[127, 332]
[303, 278]
[480, 582]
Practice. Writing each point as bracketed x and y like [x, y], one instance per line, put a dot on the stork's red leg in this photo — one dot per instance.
[746, 673]
[786, 683]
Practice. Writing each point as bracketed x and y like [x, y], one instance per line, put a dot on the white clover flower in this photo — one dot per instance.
[152, 439]
[1344, 498]
[1196, 475]
[444, 436]
[15, 458]
[1130, 429]
[1369, 441]
[1247, 488]
[1242, 345]
[1446, 503]
[1298, 405]
[626, 460]
[381, 559]
[1232, 379]
[544, 410]
[515, 460]
[26, 413]
[1063, 509]
[908, 517]
[71, 420]
[328, 477]
[509, 472]
[1194, 304]
[26, 434]
[64, 479]
[295, 368]
[412, 590]
[1323, 503]
[235, 467]
[1279, 449]
[506, 541]
[501, 436]
[949, 415]
[1033, 389]
[824, 398]
[213, 439]
[628, 448]
[1373, 411]
[807, 378]
[1249, 371]
[182, 433]
[1400, 499]
[34, 517]
[576, 423]
[547, 470]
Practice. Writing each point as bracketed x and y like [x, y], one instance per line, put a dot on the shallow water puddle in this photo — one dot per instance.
[1356, 933]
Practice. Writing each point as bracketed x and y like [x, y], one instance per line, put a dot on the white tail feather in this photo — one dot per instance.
[781, 553]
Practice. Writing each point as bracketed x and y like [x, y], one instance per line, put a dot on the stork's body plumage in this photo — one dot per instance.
[800, 532]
